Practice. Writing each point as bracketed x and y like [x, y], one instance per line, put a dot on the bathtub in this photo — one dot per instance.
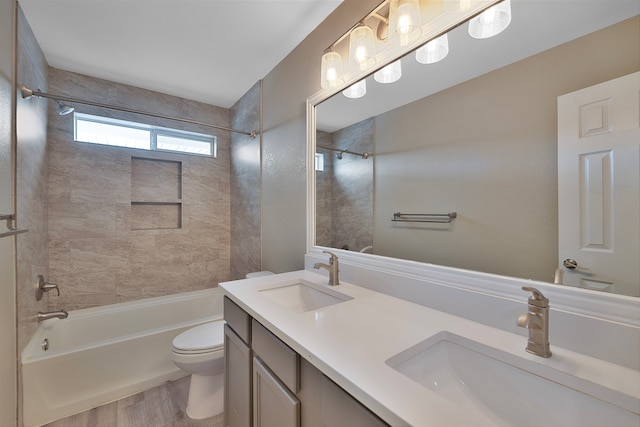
[99, 355]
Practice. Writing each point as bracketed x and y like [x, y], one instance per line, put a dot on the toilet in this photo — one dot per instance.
[200, 352]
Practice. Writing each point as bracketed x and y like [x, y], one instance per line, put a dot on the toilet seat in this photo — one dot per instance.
[205, 338]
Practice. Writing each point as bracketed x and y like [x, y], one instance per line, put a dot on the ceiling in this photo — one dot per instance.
[211, 51]
[536, 25]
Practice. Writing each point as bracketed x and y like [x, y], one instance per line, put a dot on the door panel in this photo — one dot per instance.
[599, 186]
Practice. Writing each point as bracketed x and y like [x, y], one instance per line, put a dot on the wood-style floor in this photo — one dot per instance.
[163, 406]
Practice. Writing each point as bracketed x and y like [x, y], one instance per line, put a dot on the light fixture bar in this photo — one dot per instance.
[374, 13]
[27, 93]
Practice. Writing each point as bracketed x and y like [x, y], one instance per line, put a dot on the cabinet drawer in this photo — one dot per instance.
[279, 357]
[238, 319]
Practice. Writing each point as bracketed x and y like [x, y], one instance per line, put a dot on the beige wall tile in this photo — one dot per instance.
[92, 222]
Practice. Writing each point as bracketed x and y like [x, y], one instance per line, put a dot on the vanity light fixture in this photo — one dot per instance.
[434, 51]
[356, 90]
[492, 21]
[404, 21]
[331, 70]
[362, 48]
[394, 27]
[389, 74]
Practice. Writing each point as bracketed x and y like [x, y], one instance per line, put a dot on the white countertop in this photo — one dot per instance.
[351, 341]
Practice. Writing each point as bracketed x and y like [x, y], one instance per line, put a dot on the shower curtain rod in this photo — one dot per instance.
[27, 93]
[363, 155]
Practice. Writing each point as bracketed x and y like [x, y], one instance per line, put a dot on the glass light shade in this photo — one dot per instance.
[434, 51]
[389, 74]
[404, 21]
[492, 21]
[331, 70]
[362, 48]
[356, 90]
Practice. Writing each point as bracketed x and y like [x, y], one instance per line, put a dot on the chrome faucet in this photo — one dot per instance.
[536, 320]
[61, 314]
[332, 267]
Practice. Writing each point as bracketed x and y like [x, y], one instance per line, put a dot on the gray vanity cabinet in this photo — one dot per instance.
[325, 404]
[276, 379]
[267, 384]
[238, 366]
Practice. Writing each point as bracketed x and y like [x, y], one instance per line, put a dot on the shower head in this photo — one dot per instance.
[63, 108]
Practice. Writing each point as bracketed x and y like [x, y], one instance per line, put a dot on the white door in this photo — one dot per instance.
[599, 186]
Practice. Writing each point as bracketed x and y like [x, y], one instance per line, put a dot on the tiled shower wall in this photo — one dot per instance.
[245, 186]
[344, 204]
[324, 199]
[127, 224]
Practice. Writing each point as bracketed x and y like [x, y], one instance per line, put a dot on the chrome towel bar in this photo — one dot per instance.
[440, 218]
[12, 231]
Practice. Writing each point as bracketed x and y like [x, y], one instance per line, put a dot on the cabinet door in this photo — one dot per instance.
[325, 404]
[237, 381]
[273, 404]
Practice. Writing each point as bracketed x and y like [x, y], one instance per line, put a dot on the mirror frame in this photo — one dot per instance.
[618, 308]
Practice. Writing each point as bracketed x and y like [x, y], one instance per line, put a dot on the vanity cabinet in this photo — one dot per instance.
[275, 380]
[267, 384]
[237, 366]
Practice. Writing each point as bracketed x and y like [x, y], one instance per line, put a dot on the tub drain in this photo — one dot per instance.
[45, 344]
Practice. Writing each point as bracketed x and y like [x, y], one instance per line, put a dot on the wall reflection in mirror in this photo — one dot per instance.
[475, 134]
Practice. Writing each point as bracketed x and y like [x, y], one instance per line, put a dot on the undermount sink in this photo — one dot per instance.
[501, 388]
[301, 295]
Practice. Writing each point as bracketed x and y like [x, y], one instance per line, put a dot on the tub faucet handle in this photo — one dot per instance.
[42, 287]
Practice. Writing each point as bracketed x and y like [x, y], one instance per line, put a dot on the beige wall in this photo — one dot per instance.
[97, 254]
[285, 91]
[487, 150]
[245, 186]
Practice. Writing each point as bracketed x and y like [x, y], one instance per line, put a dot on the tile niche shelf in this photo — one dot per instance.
[156, 194]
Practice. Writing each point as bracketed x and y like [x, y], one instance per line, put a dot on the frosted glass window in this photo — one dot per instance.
[184, 144]
[120, 133]
[111, 134]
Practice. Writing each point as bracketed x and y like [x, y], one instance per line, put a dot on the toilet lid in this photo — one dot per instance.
[207, 336]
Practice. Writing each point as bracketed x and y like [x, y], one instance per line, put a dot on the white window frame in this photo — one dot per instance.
[154, 132]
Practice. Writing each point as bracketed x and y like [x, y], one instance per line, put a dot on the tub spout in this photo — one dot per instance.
[61, 314]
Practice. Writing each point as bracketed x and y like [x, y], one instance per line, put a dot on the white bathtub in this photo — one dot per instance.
[103, 354]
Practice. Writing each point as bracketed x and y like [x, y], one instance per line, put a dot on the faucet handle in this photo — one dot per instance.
[537, 298]
[334, 257]
[42, 287]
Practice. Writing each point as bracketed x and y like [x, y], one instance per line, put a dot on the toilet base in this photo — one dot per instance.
[206, 396]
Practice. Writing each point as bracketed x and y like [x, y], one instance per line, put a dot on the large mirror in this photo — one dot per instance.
[474, 134]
